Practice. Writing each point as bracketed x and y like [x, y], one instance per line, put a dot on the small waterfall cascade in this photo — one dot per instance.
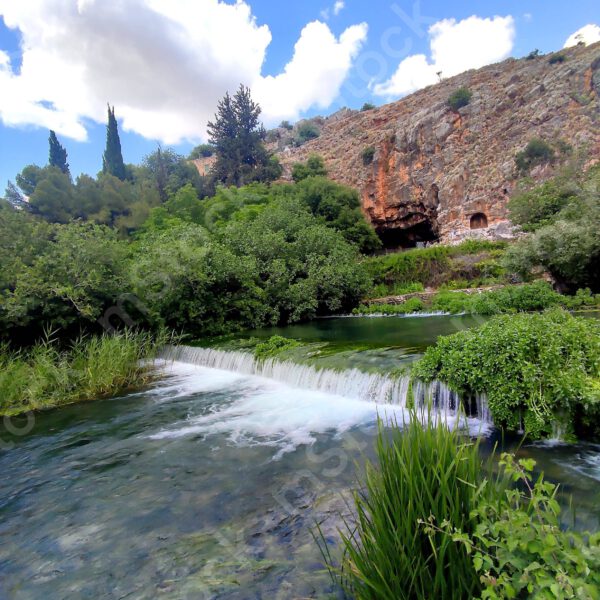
[350, 383]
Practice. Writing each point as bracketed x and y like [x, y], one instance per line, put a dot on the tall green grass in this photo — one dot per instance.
[47, 375]
[423, 471]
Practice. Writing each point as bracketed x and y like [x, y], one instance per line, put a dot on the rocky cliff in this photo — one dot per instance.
[438, 173]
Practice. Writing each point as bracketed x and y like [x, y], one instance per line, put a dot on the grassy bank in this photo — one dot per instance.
[47, 375]
[529, 297]
[470, 264]
[433, 522]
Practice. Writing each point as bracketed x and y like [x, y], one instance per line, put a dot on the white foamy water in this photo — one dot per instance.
[284, 404]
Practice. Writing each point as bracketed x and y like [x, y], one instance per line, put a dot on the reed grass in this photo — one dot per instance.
[49, 375]
[423, 471]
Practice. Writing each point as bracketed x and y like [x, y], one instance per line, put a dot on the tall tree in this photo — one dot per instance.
[112, 161]
[58, 155]
[237, 136]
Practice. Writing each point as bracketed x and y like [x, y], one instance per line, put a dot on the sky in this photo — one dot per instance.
[164, 64]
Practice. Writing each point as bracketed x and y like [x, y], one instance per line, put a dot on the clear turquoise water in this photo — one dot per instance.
[207, 484]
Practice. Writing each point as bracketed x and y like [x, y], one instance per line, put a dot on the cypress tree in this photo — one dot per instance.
[112, 161]
[58, 155]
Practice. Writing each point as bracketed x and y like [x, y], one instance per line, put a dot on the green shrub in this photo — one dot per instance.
[367, 155]
[537, 152]
[313, 167]
[306, 131]
[274, 346]
[286, 125]
[367, 106]
[412, 305]
[46, 375]
[535, 369]
[519, 547]
[459, 98]
[539, 206]
[533, 54]
[203, 150]
[557, 58]
[422, 471]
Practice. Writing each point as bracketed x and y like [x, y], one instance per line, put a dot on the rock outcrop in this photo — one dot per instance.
[438, 173]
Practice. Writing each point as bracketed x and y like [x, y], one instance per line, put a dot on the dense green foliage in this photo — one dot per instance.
[412, 305]
[519, 546]
[306, 131]
[313, 167]
[432, 521]
[47, 375]
[537, 152]
[535, 296]
[564, 215]
[202, 151]
[459, 98]
[237, 136]
[422, 470]
[57, 154]
[367, 106]
[472, 260]
[64, 275]
[112, 161]
[537, 370]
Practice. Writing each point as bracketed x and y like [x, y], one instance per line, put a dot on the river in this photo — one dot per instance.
[207, 484]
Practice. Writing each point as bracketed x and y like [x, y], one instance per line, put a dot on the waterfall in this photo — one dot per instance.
[350, 383]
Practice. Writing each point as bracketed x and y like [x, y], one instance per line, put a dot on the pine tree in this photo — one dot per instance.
[58, 154]
[237, 136]
[112, 161]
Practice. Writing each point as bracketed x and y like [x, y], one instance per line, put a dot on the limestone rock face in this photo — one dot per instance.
[437, 173]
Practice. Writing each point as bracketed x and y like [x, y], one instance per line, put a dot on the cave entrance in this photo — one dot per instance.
[479, 221]
[396, 238]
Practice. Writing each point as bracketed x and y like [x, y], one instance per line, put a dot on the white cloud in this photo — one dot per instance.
[315, 73]
[338, 7]
[455, 47]
[588, 34]
[164, 64]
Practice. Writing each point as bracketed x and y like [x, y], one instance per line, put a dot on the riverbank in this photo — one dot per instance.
[49, 375]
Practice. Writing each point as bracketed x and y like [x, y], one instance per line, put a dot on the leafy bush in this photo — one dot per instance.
[367, 155]
[422, 471]
[535, 369]
[46, 375]
[286, 125]
[203, 150]
[533, 54]
[566, 241]
[339, 207]
[557, 58]
[313, 167]
[367, 106]
[537, 207]
[519, 547]
[537, 152]
[459, 98]
[275, 345]
[412, 305]
[306, 131]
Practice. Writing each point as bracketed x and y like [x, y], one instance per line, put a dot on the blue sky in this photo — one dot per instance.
[166, 98]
